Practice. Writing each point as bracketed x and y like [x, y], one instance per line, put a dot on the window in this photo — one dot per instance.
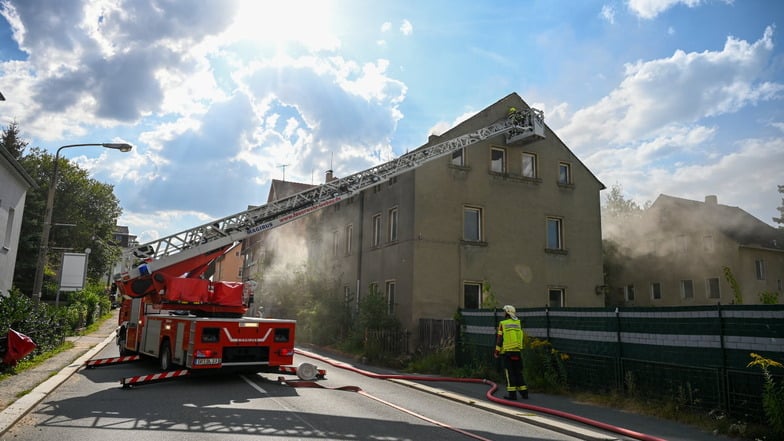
[628, 292]
[390, 292]
[556, 297]
[376, 230]
[564, 173]
[349, 233]
[712, 286]
[759, 269]
[392, 224]
[707, 244]
[554, 233]
[472, 295]
[497, 160]
[335, 243]
[9, 224]
[529, 165]
[472, 224]
[458, 157]
[687, 289]
[656, 291]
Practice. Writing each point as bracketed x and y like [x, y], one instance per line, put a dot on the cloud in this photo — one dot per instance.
[656, 95]
[608, 14]
[406, 28]
[650, 9]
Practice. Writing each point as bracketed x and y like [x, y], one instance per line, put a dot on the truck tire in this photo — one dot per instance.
[121, 339]
[165, 356]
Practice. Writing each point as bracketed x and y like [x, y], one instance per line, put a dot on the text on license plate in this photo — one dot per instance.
[203, 361]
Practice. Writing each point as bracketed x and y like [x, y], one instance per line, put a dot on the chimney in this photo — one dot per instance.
[329, 177]
[711, 199]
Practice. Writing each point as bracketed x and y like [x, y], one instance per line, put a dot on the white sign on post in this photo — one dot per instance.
[73, 271]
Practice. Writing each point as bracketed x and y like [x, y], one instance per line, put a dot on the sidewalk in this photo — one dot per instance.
[21, 392]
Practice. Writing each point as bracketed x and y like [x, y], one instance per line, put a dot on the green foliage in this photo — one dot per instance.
[9, 138]
[769, 297]
[88, 204]
[488, 298]
[780, 220]
[737, 295]
[773, 394]
[40, 322]
[616, 205]
[544, 366]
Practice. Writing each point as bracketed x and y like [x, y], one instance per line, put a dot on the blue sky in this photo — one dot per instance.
[677, 97]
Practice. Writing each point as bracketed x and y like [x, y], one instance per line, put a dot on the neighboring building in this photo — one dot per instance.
[228, 267]
[679, 253]
[14, 183]
[123, 238]
[522, 219]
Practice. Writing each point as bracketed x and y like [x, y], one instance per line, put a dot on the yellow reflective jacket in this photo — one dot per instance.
[510, 336]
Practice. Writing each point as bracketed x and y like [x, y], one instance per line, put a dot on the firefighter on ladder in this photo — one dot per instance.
[509, 345]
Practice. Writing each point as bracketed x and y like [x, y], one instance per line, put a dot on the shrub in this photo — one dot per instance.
[773, 394]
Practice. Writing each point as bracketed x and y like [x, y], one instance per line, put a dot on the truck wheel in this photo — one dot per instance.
[165, 357]
[121, 339]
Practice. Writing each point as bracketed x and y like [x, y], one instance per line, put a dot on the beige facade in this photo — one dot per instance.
[522, 219]
[680, 252]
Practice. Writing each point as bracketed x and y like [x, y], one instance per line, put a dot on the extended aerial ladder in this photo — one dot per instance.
[188, 253]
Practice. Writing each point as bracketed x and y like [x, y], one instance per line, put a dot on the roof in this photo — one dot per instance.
[496, 112]
[282, 189]
[734, 222]
[17, 167]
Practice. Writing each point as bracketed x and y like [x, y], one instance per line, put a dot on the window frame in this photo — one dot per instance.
[472, 284]
[458, 154]
[376, 237]
[759, 269]
[709, 283]
[349, 238]
[392, 219]
[558, 221]
[656, 291]
[683, 284]
[628, 292]
[479, 223]
[502, 151]
[389, 293]
[561, 292]
[567, 167]
[534, 167]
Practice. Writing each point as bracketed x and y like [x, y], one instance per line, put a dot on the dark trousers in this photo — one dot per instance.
[513, 370]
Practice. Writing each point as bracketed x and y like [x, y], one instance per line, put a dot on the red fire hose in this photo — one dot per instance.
[489, 395]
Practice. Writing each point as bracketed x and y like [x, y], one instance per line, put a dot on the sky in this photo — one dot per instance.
[676, 97]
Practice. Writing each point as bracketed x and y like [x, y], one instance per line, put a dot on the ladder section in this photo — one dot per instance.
[526, 124]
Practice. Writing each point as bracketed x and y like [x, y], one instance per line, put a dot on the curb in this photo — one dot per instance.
[19, 408]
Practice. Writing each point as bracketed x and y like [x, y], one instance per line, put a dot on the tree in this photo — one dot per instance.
[617, 206]
[10, 139]
[780, 220]
[90, 206]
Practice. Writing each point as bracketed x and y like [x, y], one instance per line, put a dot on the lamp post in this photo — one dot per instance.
[44, 245]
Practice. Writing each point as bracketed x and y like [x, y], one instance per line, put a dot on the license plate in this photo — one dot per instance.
[204, 361]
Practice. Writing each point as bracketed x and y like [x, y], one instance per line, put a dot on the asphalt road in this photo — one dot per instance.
[91, 406]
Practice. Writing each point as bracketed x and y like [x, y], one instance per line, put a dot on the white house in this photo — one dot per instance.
[14, 183]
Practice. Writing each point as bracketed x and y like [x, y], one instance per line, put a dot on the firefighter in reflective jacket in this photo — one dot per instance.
[509, 345]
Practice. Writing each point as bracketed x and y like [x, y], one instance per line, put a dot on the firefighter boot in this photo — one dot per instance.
[511, 396]
[524, 394]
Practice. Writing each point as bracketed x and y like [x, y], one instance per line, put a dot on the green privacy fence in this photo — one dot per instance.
[696, 355]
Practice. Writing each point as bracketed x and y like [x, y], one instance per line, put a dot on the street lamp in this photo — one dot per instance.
[44, 245]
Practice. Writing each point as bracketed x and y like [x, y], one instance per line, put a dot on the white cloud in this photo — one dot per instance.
[649, 9]
[608, 14]
[386, 26]
[406, 28]
[654, 95]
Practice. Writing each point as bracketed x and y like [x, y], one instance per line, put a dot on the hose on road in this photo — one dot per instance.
[489, 395]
